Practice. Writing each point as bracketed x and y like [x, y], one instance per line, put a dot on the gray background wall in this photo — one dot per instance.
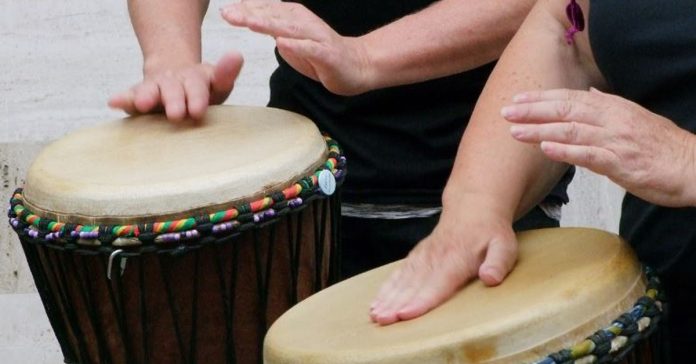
[59, 62]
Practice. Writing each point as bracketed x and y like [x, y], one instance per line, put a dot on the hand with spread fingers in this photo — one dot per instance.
[466, 244]
[182, 91]
[643, 152]
[307, 43]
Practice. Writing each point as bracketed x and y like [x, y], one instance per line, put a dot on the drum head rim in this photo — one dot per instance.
[284, 343]
[26, 222]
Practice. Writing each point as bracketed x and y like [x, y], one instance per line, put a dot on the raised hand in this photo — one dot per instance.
[182, 91]
[307, 43]
[645, 153]
[468, 242]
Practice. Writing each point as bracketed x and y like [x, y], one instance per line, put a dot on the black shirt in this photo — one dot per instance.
[648, 55]
[400, 141]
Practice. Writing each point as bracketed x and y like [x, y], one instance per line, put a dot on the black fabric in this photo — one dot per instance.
[401, 141]
[647, 53]
[370, 243]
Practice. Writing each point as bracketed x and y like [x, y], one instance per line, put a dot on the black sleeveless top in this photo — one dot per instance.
[646, 50]
[401, 141]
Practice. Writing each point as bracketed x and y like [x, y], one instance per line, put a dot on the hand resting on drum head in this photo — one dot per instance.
[466, 244]
[181, 90]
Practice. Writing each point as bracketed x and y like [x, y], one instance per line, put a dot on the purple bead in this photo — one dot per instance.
[223, 226]
[294, 203]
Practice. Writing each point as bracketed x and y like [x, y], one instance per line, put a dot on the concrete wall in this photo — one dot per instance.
[59, 62]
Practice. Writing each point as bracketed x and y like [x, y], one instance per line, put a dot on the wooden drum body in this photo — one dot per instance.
[569, 285]
[156, 243]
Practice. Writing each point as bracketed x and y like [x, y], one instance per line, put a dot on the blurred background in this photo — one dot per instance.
[59, 62]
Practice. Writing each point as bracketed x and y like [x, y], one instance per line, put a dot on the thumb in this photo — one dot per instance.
[304, 55]
[304, 48]
[225, 73]
[500, 258]
[123, 101]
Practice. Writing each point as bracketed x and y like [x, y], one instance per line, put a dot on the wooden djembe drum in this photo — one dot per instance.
[152, 242]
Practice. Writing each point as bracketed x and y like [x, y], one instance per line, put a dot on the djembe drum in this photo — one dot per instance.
[151, 242]
[575, 296]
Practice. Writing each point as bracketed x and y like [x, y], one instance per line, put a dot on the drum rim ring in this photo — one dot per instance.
[231, 221]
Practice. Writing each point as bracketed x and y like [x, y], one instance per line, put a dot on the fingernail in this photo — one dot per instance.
[494, 274]
[517, 131]
[508, 112]
[546, 147]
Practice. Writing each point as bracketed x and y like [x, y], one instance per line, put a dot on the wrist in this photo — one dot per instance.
[162, 63]
[481, 202]
[367, 77]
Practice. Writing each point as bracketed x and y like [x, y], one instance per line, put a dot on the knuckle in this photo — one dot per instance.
[564, 110]
[293, 28]
[571, 132]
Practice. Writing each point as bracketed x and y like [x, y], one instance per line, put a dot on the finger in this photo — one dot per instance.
[123, 101]
[146, 97]
[552, 111]
[386, 287]
[290, 20]
[566, 133]
[381, 313]
[197, 94]
[500, 258]
[304, 48]
[403, 293]
[597, 159]
[443, 280]
[224, 74]
[250, 14]
[173, 98]
[436, 291]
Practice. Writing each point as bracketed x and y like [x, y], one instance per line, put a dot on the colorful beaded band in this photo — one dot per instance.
[226, 221]
[615, 341]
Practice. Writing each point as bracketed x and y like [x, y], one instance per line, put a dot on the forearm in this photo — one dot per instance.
[169, 32]
[445, 38]
[506, 175]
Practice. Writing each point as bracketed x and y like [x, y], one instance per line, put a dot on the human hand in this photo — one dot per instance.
[643, 152]
[182, 90]
[465, 244]
[307, 43]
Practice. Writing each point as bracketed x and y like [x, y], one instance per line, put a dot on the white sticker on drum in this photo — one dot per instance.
[327, 182]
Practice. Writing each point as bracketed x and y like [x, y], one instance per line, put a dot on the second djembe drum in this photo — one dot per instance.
[152, 242]
[576, 296]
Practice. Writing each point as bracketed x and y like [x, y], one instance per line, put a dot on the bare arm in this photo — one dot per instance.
[448, 37]
[174, 77]
[495, 178]
[169, 32]
[489, 162]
